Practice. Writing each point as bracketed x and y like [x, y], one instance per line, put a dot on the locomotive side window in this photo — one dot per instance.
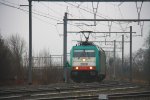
[84, 53]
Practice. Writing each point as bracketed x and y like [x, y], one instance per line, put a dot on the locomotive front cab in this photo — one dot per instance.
[83, 62]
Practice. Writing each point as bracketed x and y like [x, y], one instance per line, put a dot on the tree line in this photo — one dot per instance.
[12, 50]
[140, 65]
[14, 63]
[47, 70]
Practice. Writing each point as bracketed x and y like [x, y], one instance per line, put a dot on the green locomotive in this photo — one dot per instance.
[87, 62]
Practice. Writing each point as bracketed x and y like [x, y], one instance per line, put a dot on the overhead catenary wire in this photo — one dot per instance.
[34, 12]
[139, 8]
[142, 26]
[78, 7]
[120, 24]
[54, 11]
[27, 13]
[68, 14]
[24, 10]
[14, 5]
[120, 3]
[87, 11]
[46, 15]
[95, 9]
[90, 11]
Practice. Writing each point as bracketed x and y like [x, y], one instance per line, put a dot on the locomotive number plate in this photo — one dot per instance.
[84, 64]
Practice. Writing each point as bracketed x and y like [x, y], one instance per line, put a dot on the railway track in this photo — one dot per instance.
[133, 95]
[67, 91]
[122, 96]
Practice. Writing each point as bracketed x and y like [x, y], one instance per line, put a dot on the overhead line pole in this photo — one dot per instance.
[130, 77]
[114, 59]
[65, 48]
[122, 56]
[30, 44]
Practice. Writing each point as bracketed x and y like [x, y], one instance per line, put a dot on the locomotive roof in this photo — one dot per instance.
[86, 43]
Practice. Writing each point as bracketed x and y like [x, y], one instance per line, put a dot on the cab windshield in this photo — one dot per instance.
[84, 53]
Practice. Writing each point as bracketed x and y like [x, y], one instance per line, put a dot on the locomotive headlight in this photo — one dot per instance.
[91, 67]
[83, 60]
[77, 68]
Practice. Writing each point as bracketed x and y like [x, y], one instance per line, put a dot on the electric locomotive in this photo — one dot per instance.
[87, 62]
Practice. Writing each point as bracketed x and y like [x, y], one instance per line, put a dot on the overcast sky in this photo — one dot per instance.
[48, 16]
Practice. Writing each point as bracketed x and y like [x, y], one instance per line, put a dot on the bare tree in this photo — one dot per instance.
[141, 62]
[147, 59]
[5, 61]
[17, 46]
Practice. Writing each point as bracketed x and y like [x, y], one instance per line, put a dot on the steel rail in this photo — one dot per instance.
[63, 87]
[96, 97]
[129, 95]
[28, 92]
[64, 94]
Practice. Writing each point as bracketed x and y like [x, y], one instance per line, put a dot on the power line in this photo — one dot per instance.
[99, 15]
[86, 10]
[45, 16]
[35, 12]
[78, 7]
[49, 8]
